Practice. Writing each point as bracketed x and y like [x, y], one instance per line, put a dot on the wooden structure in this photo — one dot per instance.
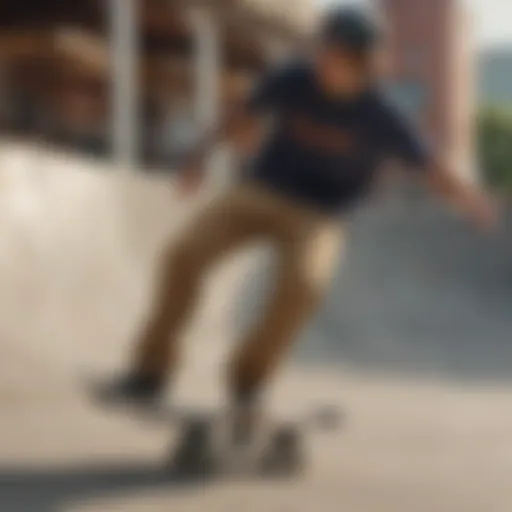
[58, 59]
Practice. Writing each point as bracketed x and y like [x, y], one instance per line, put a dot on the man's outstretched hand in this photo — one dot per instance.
[484, 212]
[190, 181]
[480, 208]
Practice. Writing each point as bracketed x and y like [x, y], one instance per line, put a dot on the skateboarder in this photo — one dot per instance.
[331, 130]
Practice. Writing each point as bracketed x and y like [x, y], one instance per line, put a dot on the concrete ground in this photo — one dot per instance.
[77, 260]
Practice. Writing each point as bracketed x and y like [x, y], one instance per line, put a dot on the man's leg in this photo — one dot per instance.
[308, 260]
[222, 226]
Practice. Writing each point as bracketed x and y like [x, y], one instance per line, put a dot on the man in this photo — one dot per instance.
[332, 128]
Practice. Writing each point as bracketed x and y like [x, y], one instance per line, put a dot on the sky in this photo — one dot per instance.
[492, 19]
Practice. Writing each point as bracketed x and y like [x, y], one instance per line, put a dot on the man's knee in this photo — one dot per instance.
[316, 265]
[184, 260]
[306, 285]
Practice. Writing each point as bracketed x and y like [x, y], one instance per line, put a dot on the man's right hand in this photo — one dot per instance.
[190, 181]
[192, 174]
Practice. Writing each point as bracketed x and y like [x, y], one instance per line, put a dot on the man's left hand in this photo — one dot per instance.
[484, 213]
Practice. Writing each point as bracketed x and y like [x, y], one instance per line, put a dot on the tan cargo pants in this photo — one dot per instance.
[307, 244]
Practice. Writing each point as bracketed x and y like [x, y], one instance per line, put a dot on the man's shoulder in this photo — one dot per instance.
[382, 109]
[385, 101]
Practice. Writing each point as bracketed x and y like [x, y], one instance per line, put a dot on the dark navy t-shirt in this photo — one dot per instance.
[325, 152]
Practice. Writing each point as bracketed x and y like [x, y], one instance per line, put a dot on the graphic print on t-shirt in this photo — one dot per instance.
[324, 138]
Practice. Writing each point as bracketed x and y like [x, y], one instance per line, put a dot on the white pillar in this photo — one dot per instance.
[206, 67]
[3, 99]
[124, 45]
[207, 79]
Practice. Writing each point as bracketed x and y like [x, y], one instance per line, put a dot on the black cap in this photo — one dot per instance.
[351, 27]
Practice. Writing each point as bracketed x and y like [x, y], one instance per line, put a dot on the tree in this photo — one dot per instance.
[495, 146]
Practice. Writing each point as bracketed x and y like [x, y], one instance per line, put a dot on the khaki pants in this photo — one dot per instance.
[307, 244]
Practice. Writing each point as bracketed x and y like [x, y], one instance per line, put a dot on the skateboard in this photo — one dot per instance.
[206, 446]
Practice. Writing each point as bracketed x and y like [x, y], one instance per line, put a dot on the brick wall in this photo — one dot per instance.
[429, 56]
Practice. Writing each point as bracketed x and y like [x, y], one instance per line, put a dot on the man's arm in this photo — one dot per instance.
[241, 124]
[232, 123]
[406, 143]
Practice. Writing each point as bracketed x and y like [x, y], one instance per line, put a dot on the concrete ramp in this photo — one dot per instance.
[79, 247]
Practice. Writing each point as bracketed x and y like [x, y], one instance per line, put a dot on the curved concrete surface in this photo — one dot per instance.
[79, 247]
[420, 293]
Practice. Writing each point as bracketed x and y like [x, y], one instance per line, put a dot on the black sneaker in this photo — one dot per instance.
[130, 389]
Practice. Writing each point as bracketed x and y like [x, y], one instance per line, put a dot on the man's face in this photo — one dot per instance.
[340, 71]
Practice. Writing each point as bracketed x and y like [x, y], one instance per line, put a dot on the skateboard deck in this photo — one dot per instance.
[205, 446]
[320, 417]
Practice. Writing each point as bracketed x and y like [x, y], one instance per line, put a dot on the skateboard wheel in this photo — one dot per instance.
[194, 454]
[285, 456]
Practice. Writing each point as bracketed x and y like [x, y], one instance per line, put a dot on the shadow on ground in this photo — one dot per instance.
[51, 490]
[421, 293]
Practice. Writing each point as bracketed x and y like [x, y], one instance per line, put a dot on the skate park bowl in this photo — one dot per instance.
[414, 342]
[418, 289]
